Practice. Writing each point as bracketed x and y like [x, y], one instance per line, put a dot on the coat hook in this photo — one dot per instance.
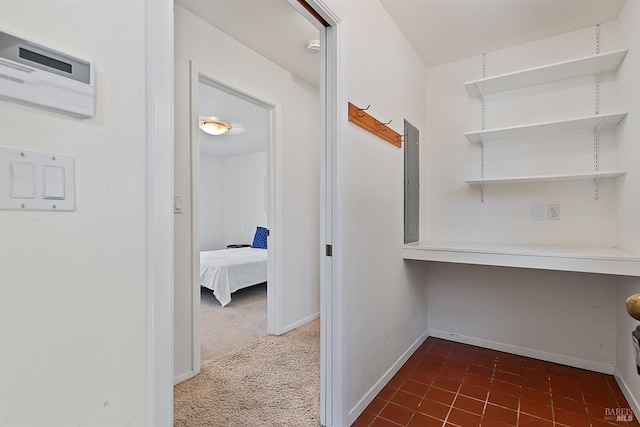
[362, 109]
[385, 125]
[401, 138]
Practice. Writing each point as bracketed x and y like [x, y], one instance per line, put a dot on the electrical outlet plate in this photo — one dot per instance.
[553, 211]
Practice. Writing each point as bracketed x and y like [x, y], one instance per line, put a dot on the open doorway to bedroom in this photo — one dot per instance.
[233, 139]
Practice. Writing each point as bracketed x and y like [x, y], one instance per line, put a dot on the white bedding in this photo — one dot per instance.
[228, 270]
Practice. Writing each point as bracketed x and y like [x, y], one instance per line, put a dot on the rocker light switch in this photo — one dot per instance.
[23, 180]
[53, 182]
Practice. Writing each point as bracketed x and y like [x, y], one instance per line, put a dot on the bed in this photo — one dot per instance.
[228, 270]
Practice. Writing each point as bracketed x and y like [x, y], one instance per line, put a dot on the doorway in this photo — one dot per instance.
[161, 78]
[230, 191]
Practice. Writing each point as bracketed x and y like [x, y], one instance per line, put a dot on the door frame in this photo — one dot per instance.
[159, 33]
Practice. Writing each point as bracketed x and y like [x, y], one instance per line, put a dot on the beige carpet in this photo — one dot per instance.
[242, 321]
[274, 381]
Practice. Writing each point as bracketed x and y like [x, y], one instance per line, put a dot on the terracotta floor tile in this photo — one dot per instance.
[570, 419]
[456, 364]
[421, 420]
[364, 420]
[477, 380]
[507, 377]
[499, 413]
[452, 373]
[468, 404]
[504, 400]
[536, 384]
[506, 388]
[446, 384]
[422, 377]
[396, 413]
[375, 406]
[408, 400]
[529, 421]
[512, 368]
[413, 387]
[463, 419]
[606, 400]
[440, 395]
[434, 409]
[569, 405]
[480, 370]
[381, 422]
[600, 423]
[536, 396]
[536, 410]
[488, 422]
[473, 391]
[566, 392]
[387, 392]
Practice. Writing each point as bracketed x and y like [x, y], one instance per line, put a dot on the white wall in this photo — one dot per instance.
[232, 199]
[73, 295]
[244, 201]
[565, 317]
[628, 209]
[295, 224]
[386, 296]
[212, 181]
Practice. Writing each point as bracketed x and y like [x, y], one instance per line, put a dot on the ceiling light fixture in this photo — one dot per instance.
[214, 126]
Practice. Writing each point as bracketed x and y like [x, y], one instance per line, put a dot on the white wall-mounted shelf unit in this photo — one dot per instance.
[542, 178]
[563, 258]
[594, 122]
[589, 65]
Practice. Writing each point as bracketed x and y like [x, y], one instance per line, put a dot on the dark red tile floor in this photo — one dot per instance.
[451, 384]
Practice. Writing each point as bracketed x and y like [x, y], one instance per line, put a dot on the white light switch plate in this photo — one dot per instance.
[36, 181]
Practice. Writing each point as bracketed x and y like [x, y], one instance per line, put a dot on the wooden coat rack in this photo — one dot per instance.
[360, 117]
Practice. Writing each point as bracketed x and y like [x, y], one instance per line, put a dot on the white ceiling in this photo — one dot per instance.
[272, 28]
[233, 110]
[443, 31]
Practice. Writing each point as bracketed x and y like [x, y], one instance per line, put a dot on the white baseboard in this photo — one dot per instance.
[183, 377]
[633, 403]
[299, 323]
[525, 351]
[355, 412]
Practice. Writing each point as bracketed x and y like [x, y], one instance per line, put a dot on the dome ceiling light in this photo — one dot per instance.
[213, 126]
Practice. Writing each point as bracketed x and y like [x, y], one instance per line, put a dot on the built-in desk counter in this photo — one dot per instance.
[562, 258]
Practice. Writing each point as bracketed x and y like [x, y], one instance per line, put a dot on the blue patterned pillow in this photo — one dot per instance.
[260, 238]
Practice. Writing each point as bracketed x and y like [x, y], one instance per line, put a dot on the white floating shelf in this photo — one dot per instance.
[541, 178]
[599, 121]
[563, 258]
[590, 65]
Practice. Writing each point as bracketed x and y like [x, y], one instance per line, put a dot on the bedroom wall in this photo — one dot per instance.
[386, 305]
[232, 199]
[244, 197]
[212, 206]
[296, 226]
[73, 293]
